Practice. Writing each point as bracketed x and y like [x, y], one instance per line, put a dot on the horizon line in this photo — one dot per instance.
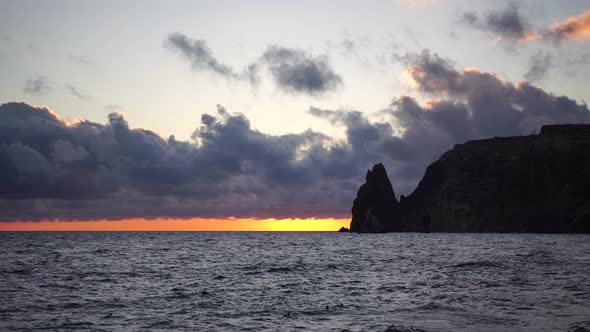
[181, 225]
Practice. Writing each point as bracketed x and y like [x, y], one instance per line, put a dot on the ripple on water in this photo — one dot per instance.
[294, 281]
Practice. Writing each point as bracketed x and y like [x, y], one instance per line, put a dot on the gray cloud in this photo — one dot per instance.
[50, 169]
[540, 63]
[41, 85]
[200, 56]
[292, 70]
[506, 23]
[583, 60]
[433, 74]
[76, 92]
[37, 85]
[509, 25]
[351, 47]
[295, 71]
[495, 107]
[112, 107]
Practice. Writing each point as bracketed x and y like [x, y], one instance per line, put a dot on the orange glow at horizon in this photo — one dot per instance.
[195, 224]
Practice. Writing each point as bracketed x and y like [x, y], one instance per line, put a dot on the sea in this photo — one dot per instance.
[293, 281]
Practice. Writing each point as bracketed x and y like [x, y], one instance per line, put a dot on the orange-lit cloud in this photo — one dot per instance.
[573, 28]
[435, 75]
[525, 37]
[408, 77]
[529, 36]
[195, 224]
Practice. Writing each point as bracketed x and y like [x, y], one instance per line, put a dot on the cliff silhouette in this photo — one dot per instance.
[538, 184]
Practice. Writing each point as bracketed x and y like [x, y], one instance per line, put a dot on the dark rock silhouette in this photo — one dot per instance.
[375, 207]
[343, 230]
[538, 183]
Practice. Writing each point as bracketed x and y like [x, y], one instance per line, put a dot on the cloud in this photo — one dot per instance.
[509, 25]
[495, 107]
[505, 24]
[540, 64]
[76, 92]
[430, 72]
[583, 59]
[295, 71]
[349, 45]
[66, 152]
[50, 169]
[352, 47]
[37, 85]
[112, 107]
[200, 56]
[573, 28]
[41, 85]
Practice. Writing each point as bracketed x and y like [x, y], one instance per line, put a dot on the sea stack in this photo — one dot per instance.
[375, 207]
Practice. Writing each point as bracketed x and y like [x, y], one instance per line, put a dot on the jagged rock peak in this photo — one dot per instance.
[377, 178]
[375, 207]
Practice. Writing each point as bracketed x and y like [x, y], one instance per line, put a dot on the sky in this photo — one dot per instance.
[266, 114]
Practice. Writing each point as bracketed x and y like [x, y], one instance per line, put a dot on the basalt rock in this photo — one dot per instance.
[538, 183]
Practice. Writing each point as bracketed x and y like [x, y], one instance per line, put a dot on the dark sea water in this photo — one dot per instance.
[293, 281]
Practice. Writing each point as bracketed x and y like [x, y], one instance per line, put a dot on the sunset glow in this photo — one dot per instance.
[196, 224]
[573, 28]
[239, 117]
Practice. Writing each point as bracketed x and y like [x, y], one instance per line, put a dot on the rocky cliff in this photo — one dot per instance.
[537, 183]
